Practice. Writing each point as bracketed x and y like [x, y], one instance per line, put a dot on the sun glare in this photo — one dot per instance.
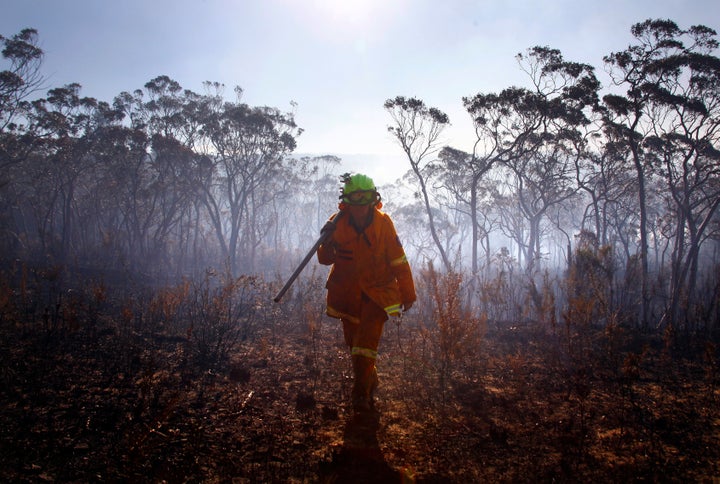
[349, 12]
[346, 17]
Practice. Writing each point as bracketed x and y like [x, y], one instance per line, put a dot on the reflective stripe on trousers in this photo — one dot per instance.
[366, 352]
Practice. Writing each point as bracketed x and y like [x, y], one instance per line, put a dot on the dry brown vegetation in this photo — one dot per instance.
[215, 383]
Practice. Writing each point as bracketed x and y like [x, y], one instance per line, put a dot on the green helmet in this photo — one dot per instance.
[358, 190]
[357, 183]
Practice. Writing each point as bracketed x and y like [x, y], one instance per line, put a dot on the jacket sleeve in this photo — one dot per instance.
[400, 267]
[326, 251]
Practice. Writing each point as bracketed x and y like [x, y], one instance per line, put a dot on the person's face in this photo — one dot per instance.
[359, 213]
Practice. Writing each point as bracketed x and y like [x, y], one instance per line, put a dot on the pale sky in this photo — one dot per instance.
[339, 60]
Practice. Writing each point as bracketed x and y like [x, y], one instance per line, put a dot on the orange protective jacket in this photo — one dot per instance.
[372, 262]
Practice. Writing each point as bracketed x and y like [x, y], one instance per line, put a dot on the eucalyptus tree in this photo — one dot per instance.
[418, 244]
[318, 178]
[417, 128]
[603, 175]
[542, 182]
[667, 120]
[511, 222]
[684, 150]
[162, 201]
[537, 134]
[249, 147]
[105, 192]
[60, 122]
[173, 174]
[504, 130]
[19, 78]
[462, 175]
[22, 59]
[164, 108]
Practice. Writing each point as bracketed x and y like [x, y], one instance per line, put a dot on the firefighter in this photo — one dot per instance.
[369, 281]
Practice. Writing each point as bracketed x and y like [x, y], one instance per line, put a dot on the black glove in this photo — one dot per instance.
[329, 227]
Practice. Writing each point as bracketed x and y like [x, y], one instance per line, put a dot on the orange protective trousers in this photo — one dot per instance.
[363, 339]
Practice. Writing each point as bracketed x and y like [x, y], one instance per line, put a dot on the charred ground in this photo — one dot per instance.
[100, 394]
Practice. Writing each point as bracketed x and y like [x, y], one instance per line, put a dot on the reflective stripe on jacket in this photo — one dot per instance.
[371, 262]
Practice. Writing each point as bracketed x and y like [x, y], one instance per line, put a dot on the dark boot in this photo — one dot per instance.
[373, 385]
[365, 383]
